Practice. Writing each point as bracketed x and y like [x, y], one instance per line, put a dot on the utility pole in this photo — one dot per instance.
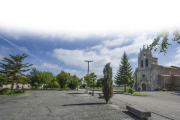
[88, 61]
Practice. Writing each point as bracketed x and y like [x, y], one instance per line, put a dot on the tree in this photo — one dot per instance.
[14, 67]
[99, 82]
[139, 89]
[124, 75]
[107, 82]
[63, 78]
[163, 35]
[88, 79]
[74, 82]
[3, 79]
[33, 76]
[52, 81]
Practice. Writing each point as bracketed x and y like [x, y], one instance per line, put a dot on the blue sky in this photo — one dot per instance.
[60, 36]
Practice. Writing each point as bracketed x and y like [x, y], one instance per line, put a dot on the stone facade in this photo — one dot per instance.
[25, 86]
[149, 74]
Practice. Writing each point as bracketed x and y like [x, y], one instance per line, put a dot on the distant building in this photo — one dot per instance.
[149, 74]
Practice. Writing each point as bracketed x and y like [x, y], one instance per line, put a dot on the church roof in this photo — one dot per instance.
[169, 75]
[171, 67]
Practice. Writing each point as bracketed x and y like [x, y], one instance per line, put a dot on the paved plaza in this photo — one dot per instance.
[76, 105]
[166, 104]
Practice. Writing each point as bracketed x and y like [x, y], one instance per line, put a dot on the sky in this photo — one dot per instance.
[60, 35]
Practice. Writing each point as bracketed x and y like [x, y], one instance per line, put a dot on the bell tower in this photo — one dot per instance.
[145, 58]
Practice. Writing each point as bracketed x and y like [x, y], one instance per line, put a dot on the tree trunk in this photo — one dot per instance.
[125, 88]
[12, 86]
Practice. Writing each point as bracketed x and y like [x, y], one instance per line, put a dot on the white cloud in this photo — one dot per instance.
[48, 66]
[4, 49]
[1, 56]
[72, 19]
[133, 60]
[55, 67]
[101, 54]
[176, 61]
[23, 49]
[116, 42]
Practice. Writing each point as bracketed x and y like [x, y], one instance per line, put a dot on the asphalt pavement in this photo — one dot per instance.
[60, 105]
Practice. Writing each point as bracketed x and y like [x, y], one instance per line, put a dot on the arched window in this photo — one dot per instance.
[141, 63]
[146, 62]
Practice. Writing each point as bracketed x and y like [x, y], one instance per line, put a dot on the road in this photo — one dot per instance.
[60, 105]
[160, 103]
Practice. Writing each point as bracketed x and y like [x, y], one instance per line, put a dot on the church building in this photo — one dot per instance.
[150, 75]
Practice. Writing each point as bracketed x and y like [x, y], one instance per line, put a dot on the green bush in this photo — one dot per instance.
[158, 88]
[10, 93]
[83, 85]
[164, 89]
[3, 91]
[139, 89]
[18, 91]
[8, 88]
[131, 90]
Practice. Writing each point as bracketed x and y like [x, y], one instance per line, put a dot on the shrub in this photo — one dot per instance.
[164, 89]
[18, 91]
[83, 85]
[3, 91]
[158, 88]
[10, 93]
[8, 88]
[131, 90]
[139, 89]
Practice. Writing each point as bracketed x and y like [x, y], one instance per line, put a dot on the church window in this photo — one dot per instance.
[141, 63]
[143, 75]
[146, 62]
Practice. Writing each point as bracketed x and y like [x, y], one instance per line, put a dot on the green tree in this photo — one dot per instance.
[124, 75]
[63, 78]
[107, 82]
[139, 89]
[99, 82]
[33, 76]
[14, 67]
[52, 81]
[89, 80]
[74, 82]
[162, 42]
[3, 79]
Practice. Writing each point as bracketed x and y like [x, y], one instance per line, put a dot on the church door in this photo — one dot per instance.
[143, 86]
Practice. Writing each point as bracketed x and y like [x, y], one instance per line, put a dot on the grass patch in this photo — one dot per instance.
[114, 88]
[18, 94]
[120, 93]
[120, 88]
[135, 94]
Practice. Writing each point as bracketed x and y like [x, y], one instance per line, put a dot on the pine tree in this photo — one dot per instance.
[14, 67]
[124, 75]
[107, 82]
[3, 79]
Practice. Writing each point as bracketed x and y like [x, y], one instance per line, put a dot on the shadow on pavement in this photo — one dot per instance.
[131, 115]
[74, 93]
[85, 104]
[176, 93]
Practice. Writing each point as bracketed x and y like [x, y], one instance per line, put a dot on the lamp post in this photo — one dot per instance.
[94, 77]
[88, 61]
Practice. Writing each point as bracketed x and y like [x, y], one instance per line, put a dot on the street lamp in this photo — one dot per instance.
[94, 77]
